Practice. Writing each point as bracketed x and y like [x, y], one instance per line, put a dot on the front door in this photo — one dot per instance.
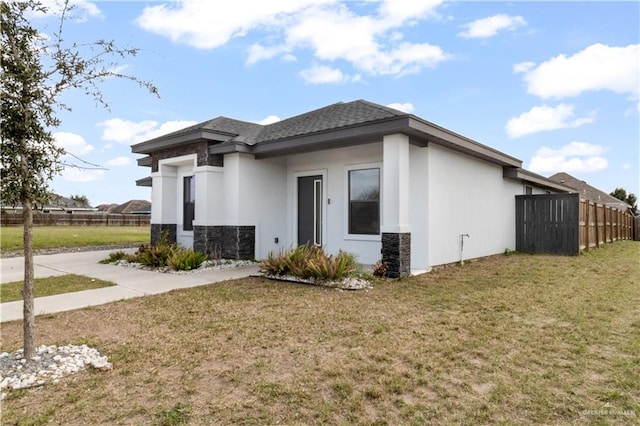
[310, 210]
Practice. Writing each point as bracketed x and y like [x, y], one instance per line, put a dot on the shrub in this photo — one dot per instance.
[155, 256]
[186, 259]
[310, 262]
[379, 269]
[158, 255]
[274, 264]
[329, 267]
[114, 257]
[296, 263]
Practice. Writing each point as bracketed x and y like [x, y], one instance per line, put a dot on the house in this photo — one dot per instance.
[56, 204]
[141, 207]
[355, 176]
[589, 192]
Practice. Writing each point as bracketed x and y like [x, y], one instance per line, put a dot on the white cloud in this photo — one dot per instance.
[288, 57]
[73, 174]
[490, 26]
[129, 132]
[323, 74]
[366, 42]
[370, 43]
[598, 67]
[207, 24]
[398, 12]
[575, 157]
[257, 52]
[72, 143]
[269, 120]
[626, 166]
[545, 117]
[119, 161]
[79, 10]
[405, 107]
[523, 67]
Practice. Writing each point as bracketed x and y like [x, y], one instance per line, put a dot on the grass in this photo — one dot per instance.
[11, 292]
[508, 340]
[73, 236]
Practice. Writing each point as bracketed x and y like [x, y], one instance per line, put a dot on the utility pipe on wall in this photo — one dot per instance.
[462, 246]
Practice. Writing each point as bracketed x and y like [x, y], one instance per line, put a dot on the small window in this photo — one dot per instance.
[528, 190]
[364, 201]
[189, 200]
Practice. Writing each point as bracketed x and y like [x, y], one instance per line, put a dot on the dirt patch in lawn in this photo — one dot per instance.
[517, 339]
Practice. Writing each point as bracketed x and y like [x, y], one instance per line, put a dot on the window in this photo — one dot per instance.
[189, 202]
[528, 190]
[364, 201]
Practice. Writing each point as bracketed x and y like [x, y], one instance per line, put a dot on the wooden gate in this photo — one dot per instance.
[548, 224]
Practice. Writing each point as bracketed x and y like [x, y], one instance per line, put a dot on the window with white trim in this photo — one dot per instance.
[189, 202]
[364, 201]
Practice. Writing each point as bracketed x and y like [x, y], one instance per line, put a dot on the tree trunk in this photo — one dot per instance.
[27, 290]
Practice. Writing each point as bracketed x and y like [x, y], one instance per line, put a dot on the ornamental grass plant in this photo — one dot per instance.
[306, 261]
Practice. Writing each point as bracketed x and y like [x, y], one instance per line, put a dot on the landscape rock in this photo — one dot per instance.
[50, 364]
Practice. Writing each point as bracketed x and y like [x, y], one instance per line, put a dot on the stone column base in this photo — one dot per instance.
[157, 229]
[396, 254]
[227, 242]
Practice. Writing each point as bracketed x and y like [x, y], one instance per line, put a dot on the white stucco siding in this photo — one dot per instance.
[467, 196]
[163, 209]
[418, 207]
[209, 195]
[511, 188]
[262, 186]
[333, 165]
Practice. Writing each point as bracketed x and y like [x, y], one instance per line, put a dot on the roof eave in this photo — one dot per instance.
[328, 139]
[452, 140]
[527, 176]
[197, 135]
[420, 132]
[145, 161]
[147, 181]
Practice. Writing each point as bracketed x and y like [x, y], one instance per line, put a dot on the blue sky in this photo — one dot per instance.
[555, 84]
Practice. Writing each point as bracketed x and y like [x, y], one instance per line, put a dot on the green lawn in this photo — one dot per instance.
[74, 236]
[508, 340]
[10, 292]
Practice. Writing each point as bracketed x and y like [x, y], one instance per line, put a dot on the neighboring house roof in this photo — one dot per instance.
[57, 202]
[106, 208]
[587, 191]
[129, 207]
[133, 206]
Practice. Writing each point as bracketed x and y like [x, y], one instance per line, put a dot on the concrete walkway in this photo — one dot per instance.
[130, 282]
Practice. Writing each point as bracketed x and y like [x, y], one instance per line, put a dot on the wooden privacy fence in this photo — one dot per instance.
[565, 224]
[77, 219]
[600, 224]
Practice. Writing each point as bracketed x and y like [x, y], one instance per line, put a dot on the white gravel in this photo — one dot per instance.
[48, 365]
[209, 265]
[352, 283]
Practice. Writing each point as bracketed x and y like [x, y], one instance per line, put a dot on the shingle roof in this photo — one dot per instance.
[244, 129]
[335, 125]
[327, 118]
[587, 191]
[132, 206]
